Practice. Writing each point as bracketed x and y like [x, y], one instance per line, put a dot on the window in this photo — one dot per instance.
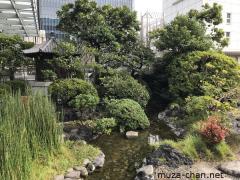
[229, 15]
[228, 34]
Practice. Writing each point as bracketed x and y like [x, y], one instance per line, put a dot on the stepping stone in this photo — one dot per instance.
[131, 134]
[231, 168]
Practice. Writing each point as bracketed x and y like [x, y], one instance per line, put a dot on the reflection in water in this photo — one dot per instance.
[123, 155]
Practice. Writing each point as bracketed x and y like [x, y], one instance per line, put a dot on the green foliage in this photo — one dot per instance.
[70, 154]
[123, 86]
[49, 75]
[64, 91]
[187, 33]
[211, 17]
[202, 73]
[197, 149]
[200, 107]
[223, 150]
[128, 113]
[111, 31]
[105, 125]
[68, 62]
[11, 55]
[19, 85]
[84, 101]
[4, 88]
[182, 35]
[28, 131]
[102, 27]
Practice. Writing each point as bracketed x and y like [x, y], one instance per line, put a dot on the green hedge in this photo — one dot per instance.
[123, 86]
[68, 90]
[128, 113]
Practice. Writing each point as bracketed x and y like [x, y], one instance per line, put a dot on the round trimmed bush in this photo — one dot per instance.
[84, 101]
[123, 86]
[66, 91]
[128, 113]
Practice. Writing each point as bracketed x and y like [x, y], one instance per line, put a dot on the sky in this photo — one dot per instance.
[150, 5]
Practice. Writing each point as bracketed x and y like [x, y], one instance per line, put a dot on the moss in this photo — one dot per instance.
[70, 154]
[196, 148]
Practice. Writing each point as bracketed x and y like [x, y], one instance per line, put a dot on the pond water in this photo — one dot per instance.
[123, 155]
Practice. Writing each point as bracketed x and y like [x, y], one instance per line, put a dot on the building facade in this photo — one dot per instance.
[230, 14]
[49, 20]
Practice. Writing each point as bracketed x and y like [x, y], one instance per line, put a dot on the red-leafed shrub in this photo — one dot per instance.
[213, 131]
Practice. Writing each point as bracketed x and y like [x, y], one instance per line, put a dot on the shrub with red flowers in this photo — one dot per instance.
[213, 131]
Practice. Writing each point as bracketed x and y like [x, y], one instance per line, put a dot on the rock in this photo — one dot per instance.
[231, 168]
[74, 131]
[145, 173]
[83, 171]
[166, 155]
[73, 174]
[86, 162]
[59, 177]
[131, 134]
[99, 161]
[238, 125]
[70, 170]
[153, 139]
[169, 116]
[90, 168]
[146, 170]
[75, 137]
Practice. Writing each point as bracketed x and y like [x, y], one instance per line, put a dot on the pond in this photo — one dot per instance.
[123, 155]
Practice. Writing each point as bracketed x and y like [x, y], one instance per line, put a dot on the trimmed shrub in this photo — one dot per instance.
[123, 86]
[213, 131]
[128, 113]
[105, 125]
[84, 102]
[200, 107]
[202, 74]
[65, 91]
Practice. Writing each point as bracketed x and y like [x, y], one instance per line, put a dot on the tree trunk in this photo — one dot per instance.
[11, 74]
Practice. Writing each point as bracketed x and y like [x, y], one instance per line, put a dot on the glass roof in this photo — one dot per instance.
[19, 17]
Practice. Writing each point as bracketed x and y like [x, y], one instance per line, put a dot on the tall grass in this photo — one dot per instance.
[28, 131]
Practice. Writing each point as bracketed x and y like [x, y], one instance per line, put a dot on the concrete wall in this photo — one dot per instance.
[41, 87]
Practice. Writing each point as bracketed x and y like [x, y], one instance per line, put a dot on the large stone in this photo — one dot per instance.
[86, 162]
[73, 175]
[99, 161]
[83, 171]
[231, 168]
[166, 155]
[90, 168]
[69, 170]
[146, 170]
[153, 139]
[59, 177]
[131, 134]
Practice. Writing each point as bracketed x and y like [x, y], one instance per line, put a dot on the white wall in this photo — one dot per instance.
[172, 8]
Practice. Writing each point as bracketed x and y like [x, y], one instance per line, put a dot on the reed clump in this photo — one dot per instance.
[28, 131]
